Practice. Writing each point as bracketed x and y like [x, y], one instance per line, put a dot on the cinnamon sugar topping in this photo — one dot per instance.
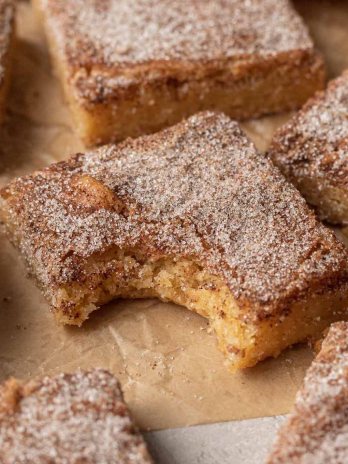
[70, 418]
[123, 32]
[198, 190]
[314, 143]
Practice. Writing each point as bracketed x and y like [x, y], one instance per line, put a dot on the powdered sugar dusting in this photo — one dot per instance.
[197, 190]
[317, 430]
[71, 418]
[314, 143]
[123, 32]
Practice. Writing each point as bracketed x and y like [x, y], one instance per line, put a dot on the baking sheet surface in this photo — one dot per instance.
[166, 358]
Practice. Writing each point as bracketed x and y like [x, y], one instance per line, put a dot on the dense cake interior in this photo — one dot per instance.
[185, 282]
[182, 281]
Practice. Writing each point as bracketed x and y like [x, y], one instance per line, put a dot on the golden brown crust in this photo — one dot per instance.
[100, 89]
[317, 430]
[198, 190]
[312, 150]
[181, 54]
[73, 418]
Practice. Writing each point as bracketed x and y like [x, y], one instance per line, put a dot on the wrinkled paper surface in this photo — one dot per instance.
[165, 357]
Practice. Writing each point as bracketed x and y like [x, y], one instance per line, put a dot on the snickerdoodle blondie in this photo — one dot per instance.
[317, 430]
[134, 67]
[312, 151]
[192, 214]
[68, 419]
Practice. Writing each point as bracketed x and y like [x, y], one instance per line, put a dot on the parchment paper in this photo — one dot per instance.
[165, 357]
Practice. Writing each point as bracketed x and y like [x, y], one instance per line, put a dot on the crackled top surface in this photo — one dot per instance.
[198, 190]
[317, 430]
[315, 142]
[6, 25]
[69, 418]
[127, 32]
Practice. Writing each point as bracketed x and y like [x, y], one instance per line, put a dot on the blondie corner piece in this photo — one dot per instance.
[68, 419]
[133, 67]
[193, 215]
[312, 151]
[316, 431]
[6, 48]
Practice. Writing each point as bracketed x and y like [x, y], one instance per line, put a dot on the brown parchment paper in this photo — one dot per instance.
[165, 357]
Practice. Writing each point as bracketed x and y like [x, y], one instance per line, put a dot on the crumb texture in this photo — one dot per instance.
[68, 419]
[314, 144]
[198, 190]
[317, 430]
[151, 30]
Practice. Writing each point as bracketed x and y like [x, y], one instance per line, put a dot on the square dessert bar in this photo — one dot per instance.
[6, 48]
[316, 431]
[312, 151]
[193, 215]
[134, 67]
[68, 419]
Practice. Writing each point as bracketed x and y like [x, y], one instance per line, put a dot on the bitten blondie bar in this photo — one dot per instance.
[194, 215]
[312, 151]
[6, 48]
[68, 419]
[134, 67]
[316, 432]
